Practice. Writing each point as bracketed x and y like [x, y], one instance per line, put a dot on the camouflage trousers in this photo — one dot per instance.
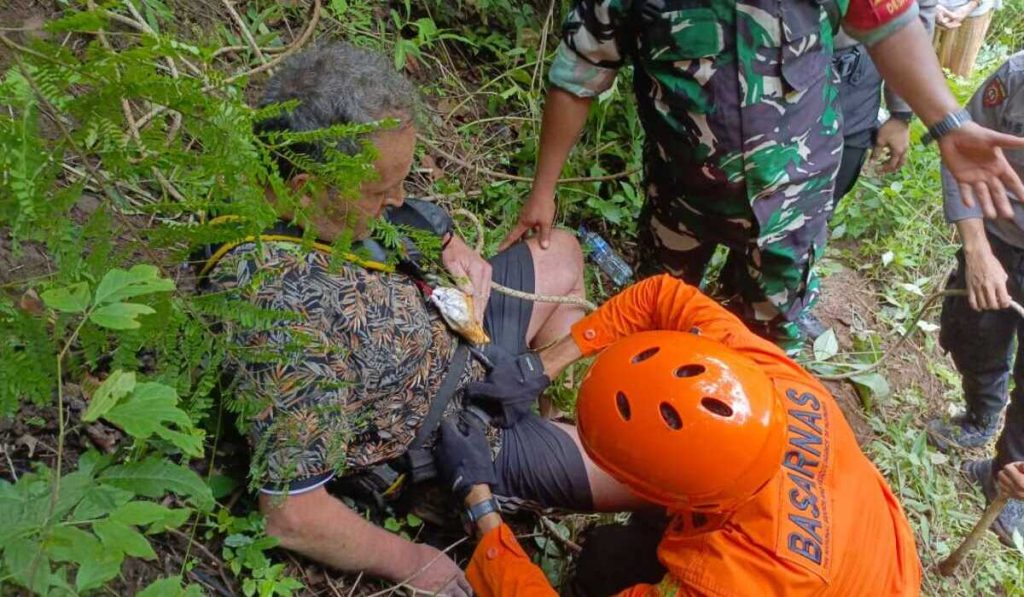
[769, 276]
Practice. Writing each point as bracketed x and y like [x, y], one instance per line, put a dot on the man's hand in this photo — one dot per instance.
[986, 281]
[974, 156]
[951, 19]
[537, 215]
[463, 456]
[431, 571]
[893, 136]
[472, 273]
[511, 388]
[1011, 480]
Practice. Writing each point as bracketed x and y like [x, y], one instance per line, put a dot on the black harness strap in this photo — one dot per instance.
[419, 461]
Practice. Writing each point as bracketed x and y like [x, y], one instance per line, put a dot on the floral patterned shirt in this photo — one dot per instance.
[343, 378]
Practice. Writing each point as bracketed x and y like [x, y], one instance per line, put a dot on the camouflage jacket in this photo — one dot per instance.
[737, 96]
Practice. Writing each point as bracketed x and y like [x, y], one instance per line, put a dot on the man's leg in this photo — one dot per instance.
[849, 172]
[781, 283]
[981, 345]
[558, 272]
[517, 324]
[1010, 447]
[543, 465]
[667, 244]
[616, 557]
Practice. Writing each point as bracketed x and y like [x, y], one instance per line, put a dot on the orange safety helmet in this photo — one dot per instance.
[684, 421]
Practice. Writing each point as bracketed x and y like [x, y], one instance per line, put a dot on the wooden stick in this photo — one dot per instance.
[948, 566]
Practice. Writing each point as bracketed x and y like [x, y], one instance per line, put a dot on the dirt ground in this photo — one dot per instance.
[849, 304]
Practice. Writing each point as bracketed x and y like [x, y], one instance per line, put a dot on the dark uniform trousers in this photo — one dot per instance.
[982, 344]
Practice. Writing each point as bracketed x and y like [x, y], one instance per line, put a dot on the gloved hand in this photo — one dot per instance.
[511, 388]
[463, 455]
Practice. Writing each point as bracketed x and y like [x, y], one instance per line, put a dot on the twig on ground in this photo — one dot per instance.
[506, 176]
[10, 463]
[355, 585]
[244, 29]
[553, 530]
[190, 540]
[405, 583]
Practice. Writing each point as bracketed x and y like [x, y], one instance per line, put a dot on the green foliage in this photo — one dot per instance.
[245, 550]
[126, 149]
[84, 526]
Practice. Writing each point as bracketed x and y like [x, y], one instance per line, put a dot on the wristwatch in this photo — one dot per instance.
[904, 117]
[481, 509]
[947, 125]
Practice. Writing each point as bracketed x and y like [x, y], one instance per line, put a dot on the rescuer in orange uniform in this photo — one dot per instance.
[767, 489]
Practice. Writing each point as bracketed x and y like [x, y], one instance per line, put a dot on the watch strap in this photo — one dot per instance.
[947, 125]
[902, 116]
[481, 509]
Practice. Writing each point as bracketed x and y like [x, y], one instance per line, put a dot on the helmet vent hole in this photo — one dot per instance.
[690, 370]
[622, 404]
[643, 356]
[670, 415]
[716, 407]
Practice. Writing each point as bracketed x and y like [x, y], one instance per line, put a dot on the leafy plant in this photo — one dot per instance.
[245, 550]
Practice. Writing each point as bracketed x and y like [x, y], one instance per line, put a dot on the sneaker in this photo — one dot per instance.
[961, 431]
[1011, 518]
[811, 326]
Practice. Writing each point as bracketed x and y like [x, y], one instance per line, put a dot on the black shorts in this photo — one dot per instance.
[507, 318]
[538, 464]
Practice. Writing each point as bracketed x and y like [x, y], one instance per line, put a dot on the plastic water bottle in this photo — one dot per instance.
[605, 257]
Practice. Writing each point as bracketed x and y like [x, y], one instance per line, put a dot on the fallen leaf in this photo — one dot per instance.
[31, 303]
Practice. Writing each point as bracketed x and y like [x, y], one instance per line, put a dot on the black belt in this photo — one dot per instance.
[384, 481]
[419, 461]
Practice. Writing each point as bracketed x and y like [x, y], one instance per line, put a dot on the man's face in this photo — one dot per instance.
[394, 160]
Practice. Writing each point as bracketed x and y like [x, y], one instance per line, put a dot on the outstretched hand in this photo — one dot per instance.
[974, 156]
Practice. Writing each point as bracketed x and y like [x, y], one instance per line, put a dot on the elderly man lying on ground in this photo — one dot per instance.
[378, 368]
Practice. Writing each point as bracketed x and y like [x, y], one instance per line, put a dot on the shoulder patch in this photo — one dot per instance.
[994, 93]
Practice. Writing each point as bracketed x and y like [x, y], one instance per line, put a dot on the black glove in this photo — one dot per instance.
[463, 455]
[512, 387]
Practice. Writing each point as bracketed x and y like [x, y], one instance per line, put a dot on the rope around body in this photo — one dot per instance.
[527, 296]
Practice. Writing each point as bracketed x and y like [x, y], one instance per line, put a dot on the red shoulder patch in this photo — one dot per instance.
[868, 15]
[994, 94]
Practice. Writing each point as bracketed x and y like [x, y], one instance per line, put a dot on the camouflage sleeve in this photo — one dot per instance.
[591, 51]
[986, 107]
[871, 21]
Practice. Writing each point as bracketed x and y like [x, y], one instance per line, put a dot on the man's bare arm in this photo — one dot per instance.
[559, 355]
[322, 528]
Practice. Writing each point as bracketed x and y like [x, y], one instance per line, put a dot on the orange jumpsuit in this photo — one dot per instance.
[826, 524]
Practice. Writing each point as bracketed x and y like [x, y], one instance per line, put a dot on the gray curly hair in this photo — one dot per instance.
[335, 83]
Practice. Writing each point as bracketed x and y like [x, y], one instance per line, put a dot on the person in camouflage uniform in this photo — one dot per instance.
[743, 134]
